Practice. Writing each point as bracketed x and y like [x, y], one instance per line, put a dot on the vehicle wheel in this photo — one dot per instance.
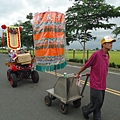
[35, 76]
[63, 108]
[77, 103]
[13, 80]
[48, 100]
[53, 97]
[8, 74]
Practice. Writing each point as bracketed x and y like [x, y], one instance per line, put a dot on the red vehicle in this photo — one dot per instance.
[17, 72]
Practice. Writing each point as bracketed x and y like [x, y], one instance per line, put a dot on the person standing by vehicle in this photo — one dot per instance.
[11, 54]
[14, 56]
[99, 63]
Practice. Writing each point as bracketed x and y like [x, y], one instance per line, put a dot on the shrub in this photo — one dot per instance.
[112, 65]
[81, 61]
[77, 60]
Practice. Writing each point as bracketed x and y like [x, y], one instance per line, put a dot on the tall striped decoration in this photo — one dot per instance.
[49, 40]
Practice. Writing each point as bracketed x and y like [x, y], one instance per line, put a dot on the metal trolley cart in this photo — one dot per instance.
[66, 90]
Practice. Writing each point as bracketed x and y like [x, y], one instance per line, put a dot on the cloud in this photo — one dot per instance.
[100, 33]
[14, 10]
[113, 2]
[18, 9]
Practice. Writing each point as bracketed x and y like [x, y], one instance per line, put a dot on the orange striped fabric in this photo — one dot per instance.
[49, 36]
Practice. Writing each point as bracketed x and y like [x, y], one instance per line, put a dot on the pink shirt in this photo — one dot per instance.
[99, 69]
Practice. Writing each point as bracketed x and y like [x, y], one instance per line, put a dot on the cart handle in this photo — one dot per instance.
[86, 74]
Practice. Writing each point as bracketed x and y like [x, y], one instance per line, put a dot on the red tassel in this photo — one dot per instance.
[20, 29]
[3, 43]
[3, 26]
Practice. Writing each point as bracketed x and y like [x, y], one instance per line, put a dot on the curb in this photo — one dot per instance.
[80, 64]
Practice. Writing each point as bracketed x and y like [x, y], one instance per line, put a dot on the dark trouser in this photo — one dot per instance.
[96, 102]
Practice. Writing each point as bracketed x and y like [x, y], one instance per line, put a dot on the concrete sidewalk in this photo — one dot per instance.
[117, 70]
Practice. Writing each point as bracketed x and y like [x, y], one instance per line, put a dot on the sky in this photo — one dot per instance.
[14, 10]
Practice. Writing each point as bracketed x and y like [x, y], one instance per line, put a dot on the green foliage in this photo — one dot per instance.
[77, 60]
[118, 66]
[89, 15]
[30, 16]
[27, 36]
[113, 65]
[85, 16]
[27, 31]
[114, 56]
[116, 31]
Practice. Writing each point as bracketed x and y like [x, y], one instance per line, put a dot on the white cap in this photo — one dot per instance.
[107, 39]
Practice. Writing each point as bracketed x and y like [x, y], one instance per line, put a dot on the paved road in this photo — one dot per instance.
[26, 102]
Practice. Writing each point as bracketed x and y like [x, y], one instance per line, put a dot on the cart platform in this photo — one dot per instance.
[66, 90]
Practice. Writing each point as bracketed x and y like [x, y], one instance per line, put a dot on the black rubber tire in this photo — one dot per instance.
[35, 76]
[13, 80]
[48, 100]
[77, 103]
[8, 74]
[63, 108]
[53, 97]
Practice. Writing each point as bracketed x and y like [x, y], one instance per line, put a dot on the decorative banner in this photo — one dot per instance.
[3, 28]
[13, 37]
[3, 42]
[49, 40]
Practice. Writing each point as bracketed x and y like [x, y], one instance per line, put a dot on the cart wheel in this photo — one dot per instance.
[63, 108]
[35, 76]
[8, 74]
[77, 103]
[13, 80]
[53, 97]
[48, 100]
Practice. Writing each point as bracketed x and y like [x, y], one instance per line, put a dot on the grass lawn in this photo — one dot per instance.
[114, 55]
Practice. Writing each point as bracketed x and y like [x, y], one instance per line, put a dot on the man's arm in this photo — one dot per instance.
[81, 70]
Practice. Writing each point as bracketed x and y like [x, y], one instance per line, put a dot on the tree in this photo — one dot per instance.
[116, 31]
[26, 35]
[86, 15]
[27, 32]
